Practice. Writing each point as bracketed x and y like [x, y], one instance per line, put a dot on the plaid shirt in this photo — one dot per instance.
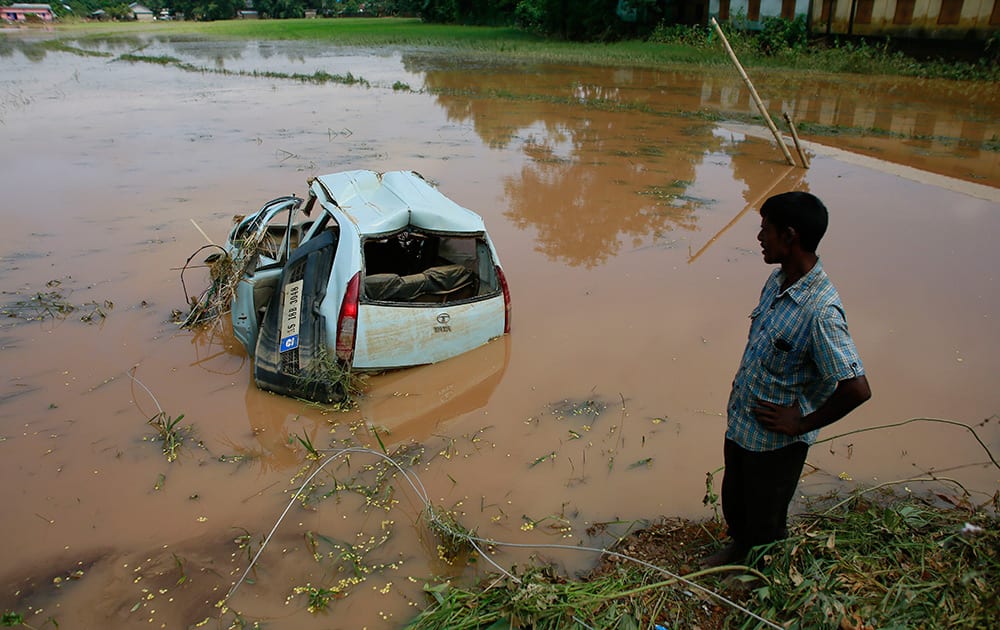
[797, 352]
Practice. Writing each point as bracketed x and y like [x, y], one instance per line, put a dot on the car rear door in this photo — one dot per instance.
[397, 336]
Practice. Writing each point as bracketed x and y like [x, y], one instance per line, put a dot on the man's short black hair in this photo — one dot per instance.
[799, 210]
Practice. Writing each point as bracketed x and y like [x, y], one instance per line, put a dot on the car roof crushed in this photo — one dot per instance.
[380, 203]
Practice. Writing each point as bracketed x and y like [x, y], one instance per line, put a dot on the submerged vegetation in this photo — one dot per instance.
[328, 380]
[869, 559]
[318, 77]
[170, 432]
[51, 303]
[782, 44]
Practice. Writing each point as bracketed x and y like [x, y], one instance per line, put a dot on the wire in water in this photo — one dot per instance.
[418, 488]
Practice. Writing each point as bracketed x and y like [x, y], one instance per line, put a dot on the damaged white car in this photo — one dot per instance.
[372, 271]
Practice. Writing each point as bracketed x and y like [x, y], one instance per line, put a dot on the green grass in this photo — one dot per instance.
[906, 564]
[353, 32]
[896, 562]
[307, 444]
[170, 432]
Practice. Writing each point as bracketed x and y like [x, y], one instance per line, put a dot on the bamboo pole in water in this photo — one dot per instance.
[795, 139]
[753, 93]
[784, 176]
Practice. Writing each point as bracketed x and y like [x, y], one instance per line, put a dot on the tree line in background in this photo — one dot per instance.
[578, 20]
[581, 20]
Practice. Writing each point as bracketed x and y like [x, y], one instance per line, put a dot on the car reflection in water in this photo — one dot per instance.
[400, 405]
[412, 404]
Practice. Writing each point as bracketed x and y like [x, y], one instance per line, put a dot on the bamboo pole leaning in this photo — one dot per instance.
[753, 94]
[795, 139]
[785, 177]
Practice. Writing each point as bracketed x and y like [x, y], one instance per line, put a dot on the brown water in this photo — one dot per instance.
[628, 238]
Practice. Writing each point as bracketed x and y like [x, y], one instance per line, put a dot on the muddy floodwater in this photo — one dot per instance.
[623, 211]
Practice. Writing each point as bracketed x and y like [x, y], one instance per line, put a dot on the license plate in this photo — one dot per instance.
[291, 308]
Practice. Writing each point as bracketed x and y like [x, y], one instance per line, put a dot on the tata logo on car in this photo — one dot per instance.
[443, 320]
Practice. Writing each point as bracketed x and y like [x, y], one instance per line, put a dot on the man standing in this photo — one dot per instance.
[800, 372]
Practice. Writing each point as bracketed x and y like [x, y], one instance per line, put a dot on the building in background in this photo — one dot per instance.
[22, 12]
[946, 19]
[918, 19]
[141, 12]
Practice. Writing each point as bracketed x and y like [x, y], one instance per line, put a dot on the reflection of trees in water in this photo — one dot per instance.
[194, 48]
[555, 200]
[33, 51]
[496, 121]
[125, 43]
[36, 50]
[583, 207]
[760, 176]
[597, 171]
[189, 47]
[267, 49]
[608, 159]
[7, 47]
[617, 181]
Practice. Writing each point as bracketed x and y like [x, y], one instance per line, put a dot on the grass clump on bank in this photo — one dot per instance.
[903, 563]
[863, 563]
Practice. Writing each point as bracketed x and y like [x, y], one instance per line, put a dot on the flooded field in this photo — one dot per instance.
[623, 213]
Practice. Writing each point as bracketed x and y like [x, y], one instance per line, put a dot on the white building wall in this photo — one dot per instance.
[973, 19]
[768, 8]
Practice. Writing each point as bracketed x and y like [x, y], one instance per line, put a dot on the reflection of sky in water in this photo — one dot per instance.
[584, 93]
[718, 166]
[378, 66]
[557, 140]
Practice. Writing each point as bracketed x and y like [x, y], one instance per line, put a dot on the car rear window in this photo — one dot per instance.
[414, 266]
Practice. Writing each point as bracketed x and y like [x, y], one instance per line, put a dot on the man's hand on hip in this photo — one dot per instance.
[773, 417]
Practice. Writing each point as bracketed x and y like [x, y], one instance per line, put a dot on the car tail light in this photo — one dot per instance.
[506, 299]
[347, 323]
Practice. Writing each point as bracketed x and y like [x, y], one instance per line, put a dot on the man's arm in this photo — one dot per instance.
[848, 396]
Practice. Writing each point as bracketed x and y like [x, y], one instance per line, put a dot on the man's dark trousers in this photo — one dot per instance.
[756, 491]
